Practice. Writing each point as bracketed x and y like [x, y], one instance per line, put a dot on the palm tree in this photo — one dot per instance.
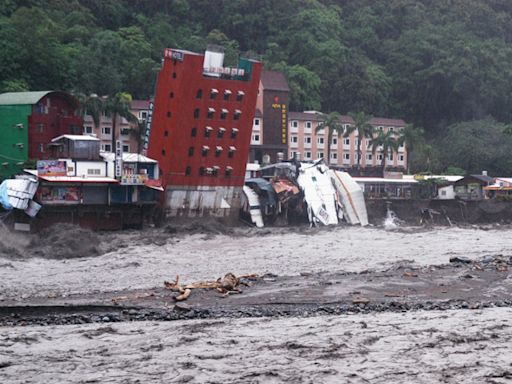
[119, 105]
[91, 105]
[389, 144]
[364, 130]
[332, 123]
[413, 138]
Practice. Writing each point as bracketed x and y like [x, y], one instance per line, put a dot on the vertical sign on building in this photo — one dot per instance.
[118, 165]
[283, 124]
[282, 107]
[147, 130]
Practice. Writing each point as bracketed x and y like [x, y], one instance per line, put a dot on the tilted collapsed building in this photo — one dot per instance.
[200, 130]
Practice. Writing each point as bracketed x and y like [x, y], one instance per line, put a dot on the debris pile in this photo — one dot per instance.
[295, 191]
[229, 284]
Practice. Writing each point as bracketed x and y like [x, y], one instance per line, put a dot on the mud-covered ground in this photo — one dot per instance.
[345, 304]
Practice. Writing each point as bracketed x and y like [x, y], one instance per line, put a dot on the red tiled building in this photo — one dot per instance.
[200, 130]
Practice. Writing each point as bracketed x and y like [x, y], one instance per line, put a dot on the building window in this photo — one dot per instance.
[106, 131]
[379, 156]
[369, 156]
[223, 113]
[228, 171]
[307, 140]
[390, 156]
[334, 141]
[256, 122]
[126, 148]
[174, 75]
[188, 170]
[215, 170]
[220, 133]
[199, 94]
[201, 171]
[171, 95]
[234, 133]
[204, 150]
[191, 151]
[40, 128]
[401, 157]
[196, 113]
[307, 155]
[295, 124]
[240, 95]
[391, 129]
[213, 93]
[208, 131]
[87, 129]
[163, 152]
[166, 133]
[210, 113]
[294, 139]
[193, 133]
[346, 141]
[106, 147]
[334, 155]
[320, 155]
[227, 93]
[237, 114]
[255, 138]
[218, 151]
[346, 156]
[294, 155]
[231, 152]
[320, 140]
[41, 147]
[143, 115]
[308, 125]
[94, 171]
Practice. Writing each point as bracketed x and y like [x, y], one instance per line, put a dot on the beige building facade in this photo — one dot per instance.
[127, 132]
[306, 144]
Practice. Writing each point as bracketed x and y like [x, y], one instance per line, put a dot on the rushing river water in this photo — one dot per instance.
[413, 347]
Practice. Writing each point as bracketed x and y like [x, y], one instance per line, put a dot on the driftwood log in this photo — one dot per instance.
[229, 284]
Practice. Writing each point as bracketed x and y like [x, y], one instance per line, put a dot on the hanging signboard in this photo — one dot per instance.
[147, 130]
[51, 168]
[119, 159]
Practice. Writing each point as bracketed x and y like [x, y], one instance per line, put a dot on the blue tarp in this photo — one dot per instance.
[4, 197]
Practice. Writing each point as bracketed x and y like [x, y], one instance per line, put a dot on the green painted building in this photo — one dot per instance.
[13, 138]
[28, 122]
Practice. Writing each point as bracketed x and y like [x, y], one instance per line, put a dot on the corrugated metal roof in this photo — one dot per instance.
[382, 180]
[128, 157]
[73, 179]
[76, 138]
[17, 98]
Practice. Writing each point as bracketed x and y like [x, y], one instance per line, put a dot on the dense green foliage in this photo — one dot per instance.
[433, 63]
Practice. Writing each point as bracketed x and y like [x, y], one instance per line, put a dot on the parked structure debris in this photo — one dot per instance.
[298, 191]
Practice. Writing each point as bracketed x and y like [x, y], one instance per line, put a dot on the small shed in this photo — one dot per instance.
[77, 147]
[472, 187]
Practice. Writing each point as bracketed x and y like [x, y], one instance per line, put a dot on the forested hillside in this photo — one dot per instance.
[435, 63]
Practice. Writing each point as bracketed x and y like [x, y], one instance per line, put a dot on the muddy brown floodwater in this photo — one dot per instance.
[428, 320]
